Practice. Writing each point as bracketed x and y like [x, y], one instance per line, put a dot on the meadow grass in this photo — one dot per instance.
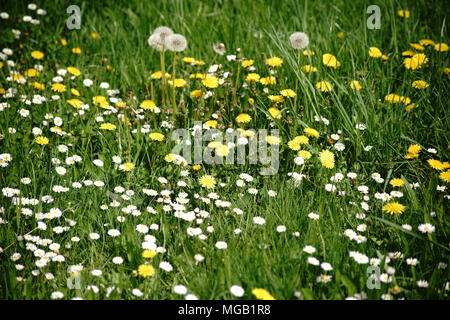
[259, 256]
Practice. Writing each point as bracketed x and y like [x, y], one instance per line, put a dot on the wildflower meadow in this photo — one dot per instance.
[221, 150]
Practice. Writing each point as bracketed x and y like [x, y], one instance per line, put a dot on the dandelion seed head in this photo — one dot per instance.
[299, 40]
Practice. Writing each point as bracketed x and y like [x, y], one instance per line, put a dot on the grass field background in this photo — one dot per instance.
[259, 256]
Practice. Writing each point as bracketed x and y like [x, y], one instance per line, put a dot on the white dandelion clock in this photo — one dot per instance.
[158, 39]
[299, 40]
[219, 48]
[176, 42]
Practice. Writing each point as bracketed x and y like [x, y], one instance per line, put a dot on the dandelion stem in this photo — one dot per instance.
[296, 84]
[173, 86]
[235, 85]
[163, 71]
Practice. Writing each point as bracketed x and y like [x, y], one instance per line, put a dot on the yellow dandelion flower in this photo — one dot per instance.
[197, 76]
[178, 83]
[294, 145]
[101, 102]
[403, 13]
[76, 103]
[37, 85]
[149, 254]
[146, 270]
[207, 181]
[445, 176]
[210, 82]
[273, 140]
[211, 123]
[37, 55]
[427, 42]
[326, 157]
[275, 113]
[441, 47]
[31, 73]
[197, 94]
[169, 158]
[374, 52]
[409, 107]
[274, 62]
[74, 71]
[252, 77]
[304, 154]
[189, 60]
[417, 46]
[408, 53]
[304, 139]
[246, 133]
[307, 68]
[311, 132]
[330, 61]
[107, 126]
[355, 85]
[288, 93]
[243, 118]
[396, 182]
[411, 155]
[75, 92]
[414, 148]
[276, 98]
[268, 80]
[121, 104]
[262, 294]
[222, 150]
[324, 86]
[416, 61]
[148, 105]
[41, 140]
[127, 166]
[436, 164]
[158, 75]
[393, 208]
[420, 84]
[58, 87]
[156, 136]
[247, 63]
[76, 50]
